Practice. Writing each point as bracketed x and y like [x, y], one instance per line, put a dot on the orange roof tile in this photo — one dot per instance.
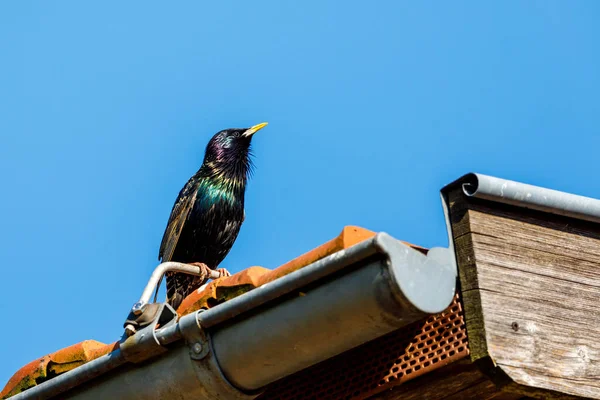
[54, 364]
[224, 289]
[256, 276]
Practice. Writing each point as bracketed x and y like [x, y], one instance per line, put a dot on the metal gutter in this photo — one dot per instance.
[233, 350]
[521, 195]
[374, 298]
[528, 196]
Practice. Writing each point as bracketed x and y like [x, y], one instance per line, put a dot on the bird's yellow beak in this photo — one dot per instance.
[254, 129]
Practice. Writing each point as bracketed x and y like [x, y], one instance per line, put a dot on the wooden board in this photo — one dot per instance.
[461, 380]
[530, 283]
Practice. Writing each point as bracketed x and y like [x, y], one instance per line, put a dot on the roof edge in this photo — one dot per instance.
[527, 196]
[216, 292]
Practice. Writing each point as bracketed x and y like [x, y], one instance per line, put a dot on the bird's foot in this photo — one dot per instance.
[208, 273]
[204, 270]
[223, 272]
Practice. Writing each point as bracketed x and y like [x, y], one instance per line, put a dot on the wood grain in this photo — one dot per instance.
[531, 289]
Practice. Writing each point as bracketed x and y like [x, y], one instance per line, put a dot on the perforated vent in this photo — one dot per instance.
[382, 363]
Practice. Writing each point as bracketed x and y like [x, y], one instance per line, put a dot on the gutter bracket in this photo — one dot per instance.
[144, 344]
[205, 364]
[194, 335]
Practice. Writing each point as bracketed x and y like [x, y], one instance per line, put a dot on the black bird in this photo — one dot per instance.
[209, 211]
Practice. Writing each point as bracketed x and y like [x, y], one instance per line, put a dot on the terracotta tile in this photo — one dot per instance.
[349, 236]
[222, 289]
[54, 364]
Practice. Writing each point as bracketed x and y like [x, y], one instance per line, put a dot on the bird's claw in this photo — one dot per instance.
[209, 273]
[223, 272]
[203, 269]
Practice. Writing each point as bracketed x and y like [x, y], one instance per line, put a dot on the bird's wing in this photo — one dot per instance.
[181, 209]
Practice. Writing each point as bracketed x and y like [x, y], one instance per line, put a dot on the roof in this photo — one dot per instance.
[243, 323]
[216, 292]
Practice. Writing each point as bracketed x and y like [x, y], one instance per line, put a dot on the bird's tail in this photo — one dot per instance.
[179, 286]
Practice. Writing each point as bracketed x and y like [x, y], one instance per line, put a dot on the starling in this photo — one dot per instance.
[209, 211]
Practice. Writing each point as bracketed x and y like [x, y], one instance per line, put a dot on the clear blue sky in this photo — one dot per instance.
[373, 107]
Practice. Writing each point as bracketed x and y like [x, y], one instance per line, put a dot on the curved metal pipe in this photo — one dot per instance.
[159, 272]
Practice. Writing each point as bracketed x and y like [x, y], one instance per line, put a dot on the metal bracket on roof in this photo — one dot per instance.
[134, 322]
[194, 335]
[170, 266]
[143, 312]
[144, 343]
[205, 363]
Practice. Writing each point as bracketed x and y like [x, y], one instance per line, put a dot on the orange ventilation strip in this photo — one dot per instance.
[383, 363]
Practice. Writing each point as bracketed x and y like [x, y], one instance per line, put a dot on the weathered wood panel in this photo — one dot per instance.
[531, 290]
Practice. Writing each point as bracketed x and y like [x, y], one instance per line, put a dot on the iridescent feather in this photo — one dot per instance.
[209, 211]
